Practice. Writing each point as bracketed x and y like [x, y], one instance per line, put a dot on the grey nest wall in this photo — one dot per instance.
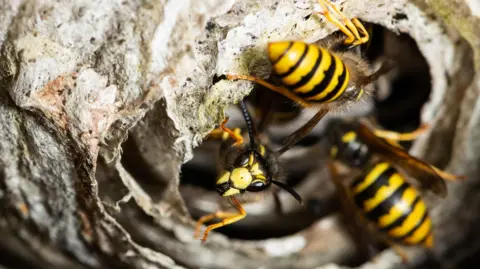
[79, 77]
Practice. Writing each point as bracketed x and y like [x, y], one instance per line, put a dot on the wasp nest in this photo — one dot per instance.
[80, 77]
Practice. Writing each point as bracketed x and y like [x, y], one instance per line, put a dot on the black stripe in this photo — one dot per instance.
[401, 219]
[297, 64]
[420, 222]
[371, 190]
[284, 53]
[305, 79]
[341, 80]
[320, 87]
[384, 207]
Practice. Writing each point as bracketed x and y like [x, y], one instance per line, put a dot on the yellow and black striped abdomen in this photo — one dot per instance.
[313, 73]
[393, 205]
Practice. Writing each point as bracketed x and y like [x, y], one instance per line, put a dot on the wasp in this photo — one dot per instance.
[321, 75]
[245, 167]
[380, 193]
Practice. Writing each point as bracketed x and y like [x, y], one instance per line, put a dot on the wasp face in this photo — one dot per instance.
[249, 173]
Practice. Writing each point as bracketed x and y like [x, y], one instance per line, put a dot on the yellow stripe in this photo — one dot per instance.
[333, 81]
[420, 233]
[394, 182]
[348, 137]
[403, 206]
[304, 68]
[325, 63]
[371, 177]
[290, 59]
[342, 89]
[410, 222]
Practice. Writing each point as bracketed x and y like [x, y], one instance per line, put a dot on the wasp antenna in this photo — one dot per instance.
[289, 190]
[250, 127]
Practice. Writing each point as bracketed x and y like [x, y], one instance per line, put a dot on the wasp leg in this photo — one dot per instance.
[223, 133]
[233, 134]
[283, 91]
[390, 135]
[228, 218]
[299, 134]
[215, 134]
[349, 27]
[446, 175]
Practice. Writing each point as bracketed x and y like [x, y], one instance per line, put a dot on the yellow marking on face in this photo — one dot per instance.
[333, 152]
[348, 137]
[410, 222]
[290, 58]
[394, 182]
[304, 68]
[251, 159]
[241, 178]
[420, 233]
[223, 178]
[371, 177]
[231, 192]
[261, 177]
[429, 241]
[255, 170]
[403, 206]
[262, 150]
[276, 49]
[319, 75]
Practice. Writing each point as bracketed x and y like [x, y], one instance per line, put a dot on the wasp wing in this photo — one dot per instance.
[421, 171]
[301, 132]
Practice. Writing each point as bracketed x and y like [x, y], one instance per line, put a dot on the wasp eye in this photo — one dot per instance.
[256, 186]
[241, 161]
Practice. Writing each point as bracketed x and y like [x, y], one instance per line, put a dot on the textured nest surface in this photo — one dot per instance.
[79, 77]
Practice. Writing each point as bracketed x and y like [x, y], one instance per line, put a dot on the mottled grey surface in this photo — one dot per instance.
[76, 76]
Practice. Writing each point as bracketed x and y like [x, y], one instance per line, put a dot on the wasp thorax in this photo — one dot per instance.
[249, 173]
